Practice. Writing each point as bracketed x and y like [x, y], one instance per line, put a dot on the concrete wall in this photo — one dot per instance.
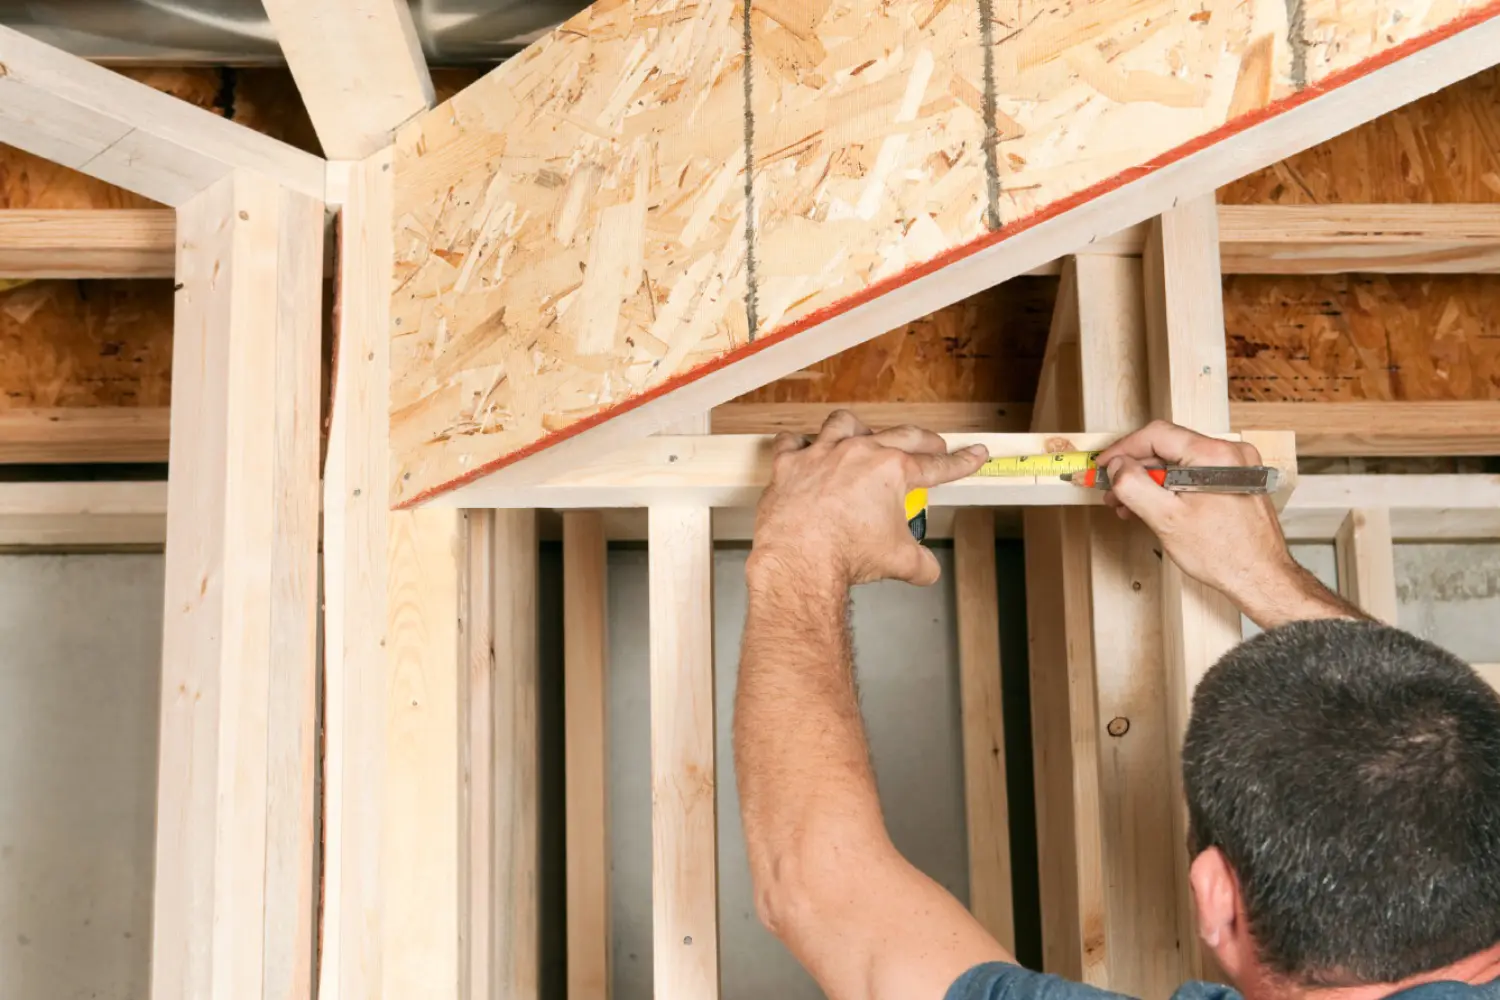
[79, 649]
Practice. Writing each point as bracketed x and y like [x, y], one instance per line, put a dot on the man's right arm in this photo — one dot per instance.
[1231, 543]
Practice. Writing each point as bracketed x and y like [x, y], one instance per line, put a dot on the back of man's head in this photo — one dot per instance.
[1350, 774]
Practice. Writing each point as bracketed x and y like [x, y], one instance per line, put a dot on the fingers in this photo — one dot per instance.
[1176, 446]
[1138, 493]
[787, 442]
[928, 470]
[913, 439]
[841, 424]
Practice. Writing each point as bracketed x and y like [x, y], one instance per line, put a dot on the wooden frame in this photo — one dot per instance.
[430, 857]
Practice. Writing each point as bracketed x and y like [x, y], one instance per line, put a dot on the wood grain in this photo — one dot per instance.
[1189, 386]
[1380, 428]
[1124, 578]
[586, 688]
[84, 434]
[91, 119]
[120, 243]
[590, 323]
[684, 829]
[233, 904]
[85, 515]
[1366, 562]
[986, 802]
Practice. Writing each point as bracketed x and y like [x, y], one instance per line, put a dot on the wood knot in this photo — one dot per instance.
[1118, 726]
[1057, 444]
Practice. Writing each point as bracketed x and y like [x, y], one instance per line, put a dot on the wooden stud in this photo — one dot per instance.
[480, 834]
[1470, 506]
[1141, 927]
[91, 243]
[1336, 239]
[1061, 667]
[1189, 386]
[91, 119]
[986, 803]
[517, 748]
[234, 905]
[684, 826]
[1367, 562]
[806, 418]
[359, 67]
[423, 896]
[357, 527]
[586, 684]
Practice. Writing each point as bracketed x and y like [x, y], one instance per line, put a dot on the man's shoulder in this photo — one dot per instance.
[1001, 981]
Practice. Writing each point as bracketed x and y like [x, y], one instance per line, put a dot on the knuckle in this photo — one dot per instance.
[1249, 454]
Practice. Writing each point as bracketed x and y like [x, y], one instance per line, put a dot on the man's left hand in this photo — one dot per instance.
[836, 504]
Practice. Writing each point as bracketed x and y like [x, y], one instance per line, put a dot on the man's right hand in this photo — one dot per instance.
[1232, 543]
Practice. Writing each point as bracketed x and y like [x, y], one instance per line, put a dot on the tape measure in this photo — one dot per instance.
[1056, 463]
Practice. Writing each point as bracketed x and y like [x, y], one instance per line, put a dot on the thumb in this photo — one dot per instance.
[917, 566]
[1138, 492]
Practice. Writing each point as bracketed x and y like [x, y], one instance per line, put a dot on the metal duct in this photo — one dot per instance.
[236, 32]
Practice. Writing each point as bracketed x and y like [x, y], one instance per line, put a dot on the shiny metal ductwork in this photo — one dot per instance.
[236, 32]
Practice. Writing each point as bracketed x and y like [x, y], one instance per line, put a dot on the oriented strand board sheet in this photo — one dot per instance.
[662, 187]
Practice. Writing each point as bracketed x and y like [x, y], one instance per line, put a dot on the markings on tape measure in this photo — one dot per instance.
[1052, 464]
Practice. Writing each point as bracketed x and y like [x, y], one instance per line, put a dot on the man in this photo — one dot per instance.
[1343, 777]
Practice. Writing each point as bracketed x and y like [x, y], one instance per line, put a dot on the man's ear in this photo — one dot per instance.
[1216, 893]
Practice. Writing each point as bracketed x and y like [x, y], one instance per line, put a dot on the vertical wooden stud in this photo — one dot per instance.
[1189, 386]
[586, 691]
[356, 533]
[1063, 711]
[684, 830]
[1135, 806]
[1367, 562]
[986, 804]
[234, 901]
[516, 942]
[478, 835]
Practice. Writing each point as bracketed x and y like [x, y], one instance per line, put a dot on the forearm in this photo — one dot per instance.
[802, 761]
[1285, 592]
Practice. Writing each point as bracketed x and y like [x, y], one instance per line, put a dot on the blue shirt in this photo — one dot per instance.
[1000, 981]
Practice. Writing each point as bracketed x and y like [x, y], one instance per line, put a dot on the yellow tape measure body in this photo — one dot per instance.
[1014, 466]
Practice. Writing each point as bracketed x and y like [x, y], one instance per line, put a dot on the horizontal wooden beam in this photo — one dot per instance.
[731, 471]
[77, 434]
[87, 243]
[82, 515]
[1383, 428]
[1338, 239]
[806, 418]
[1423, 508]
[91, 119]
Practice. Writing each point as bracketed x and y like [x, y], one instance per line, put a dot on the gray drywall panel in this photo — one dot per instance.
[907, 660]
[80, 652]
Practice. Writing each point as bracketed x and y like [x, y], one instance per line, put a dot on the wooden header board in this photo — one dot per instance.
[664, 203]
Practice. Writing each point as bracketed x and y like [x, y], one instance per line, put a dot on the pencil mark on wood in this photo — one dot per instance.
[752, 292]
[991, 115]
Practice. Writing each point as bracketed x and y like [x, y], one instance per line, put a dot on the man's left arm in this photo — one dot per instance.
[828, 881]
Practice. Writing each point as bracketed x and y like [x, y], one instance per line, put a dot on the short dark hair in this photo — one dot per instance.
[1350, 774]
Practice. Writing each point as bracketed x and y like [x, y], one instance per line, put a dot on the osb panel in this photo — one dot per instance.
[86, 343]
[1444, 148]
[574, 231]
[987, 348]
[1348, 337]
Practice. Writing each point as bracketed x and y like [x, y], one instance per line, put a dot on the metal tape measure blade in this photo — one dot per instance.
[1053, 464]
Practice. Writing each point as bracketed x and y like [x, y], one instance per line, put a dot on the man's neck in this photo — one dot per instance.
[1480, 967]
